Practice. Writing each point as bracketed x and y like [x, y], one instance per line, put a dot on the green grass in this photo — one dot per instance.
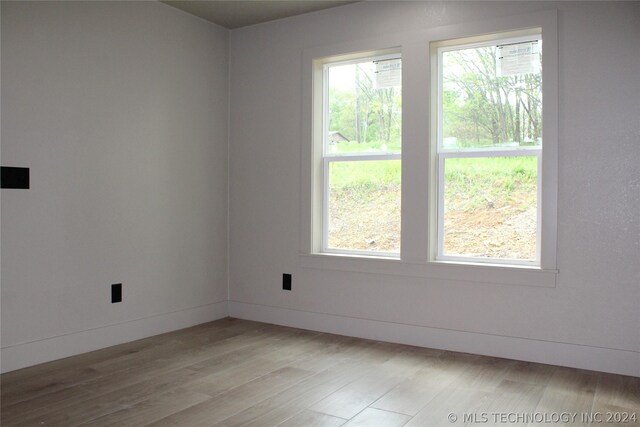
[523, 168]
[473, 182]
[469, 182]
[458, 171]
[364, 174]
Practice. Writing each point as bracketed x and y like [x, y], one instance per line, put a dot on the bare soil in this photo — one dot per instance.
[365, 220]
[370, 220]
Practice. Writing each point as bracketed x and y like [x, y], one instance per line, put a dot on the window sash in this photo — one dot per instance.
[462, 46]
[328, 158]
[325, 97]
[441, 157]
[326, 164]
[497, 42]
[441, 154]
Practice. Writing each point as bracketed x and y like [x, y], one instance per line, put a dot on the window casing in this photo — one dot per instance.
[419, 241]
[489, 190]
[361, 178]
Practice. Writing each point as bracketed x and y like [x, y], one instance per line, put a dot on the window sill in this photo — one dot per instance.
[442, 270]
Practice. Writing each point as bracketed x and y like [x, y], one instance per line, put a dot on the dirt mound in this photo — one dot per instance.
[370, 220]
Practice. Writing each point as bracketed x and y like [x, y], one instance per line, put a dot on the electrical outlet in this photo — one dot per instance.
[116, 293]
[286, 282]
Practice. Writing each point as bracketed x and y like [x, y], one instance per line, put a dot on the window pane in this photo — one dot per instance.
[490, 207]
[364, 205]
[492, 96]
[364, 107]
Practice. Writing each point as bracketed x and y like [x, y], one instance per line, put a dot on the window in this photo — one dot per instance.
[361, 146]
[467, 119]
[489, 149]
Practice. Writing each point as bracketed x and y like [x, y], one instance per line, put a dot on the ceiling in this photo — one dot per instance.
[241, 13]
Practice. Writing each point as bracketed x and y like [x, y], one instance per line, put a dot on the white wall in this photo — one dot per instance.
[120, 109]
[589, 320]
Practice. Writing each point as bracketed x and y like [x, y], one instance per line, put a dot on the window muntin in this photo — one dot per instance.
[361, 148]
[489, 151]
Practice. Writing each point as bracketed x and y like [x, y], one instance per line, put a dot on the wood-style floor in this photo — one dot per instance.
[235, 372]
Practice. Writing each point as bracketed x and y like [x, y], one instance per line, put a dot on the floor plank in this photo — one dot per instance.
[372, 417]
[146, 411]
[233, 373]
[568, 388]
[309, 418]
[353, 398]
[413, 394]
[450, 402]
[235, 400]
[296, 399]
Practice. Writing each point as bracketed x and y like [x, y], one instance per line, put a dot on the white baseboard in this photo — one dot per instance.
[48, 349]
[616, 361]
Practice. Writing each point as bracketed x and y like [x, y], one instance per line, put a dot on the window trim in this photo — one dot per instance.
[442, 156]
[442, 153]
[543, 24]
[326, 163]
[417, 240]
[328, 158]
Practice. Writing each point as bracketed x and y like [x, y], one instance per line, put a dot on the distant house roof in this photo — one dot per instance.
[335, 136]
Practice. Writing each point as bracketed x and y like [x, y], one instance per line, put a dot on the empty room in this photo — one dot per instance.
[320, 213]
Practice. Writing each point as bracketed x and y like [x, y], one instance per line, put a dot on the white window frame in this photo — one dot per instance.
[328, 158]
[419, 160]
[544, 23]
[443, 154]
